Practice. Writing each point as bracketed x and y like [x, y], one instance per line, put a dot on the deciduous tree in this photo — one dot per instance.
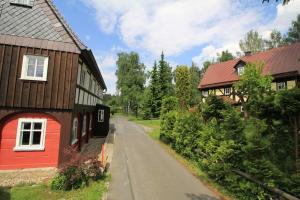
[131, 80]
[293, 34]
[253, 42]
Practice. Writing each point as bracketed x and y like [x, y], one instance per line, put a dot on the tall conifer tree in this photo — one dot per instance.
[165, 78]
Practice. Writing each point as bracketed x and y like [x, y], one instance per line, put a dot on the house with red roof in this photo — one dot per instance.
[282, 63]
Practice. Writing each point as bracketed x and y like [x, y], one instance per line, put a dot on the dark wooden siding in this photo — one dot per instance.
[58, 92]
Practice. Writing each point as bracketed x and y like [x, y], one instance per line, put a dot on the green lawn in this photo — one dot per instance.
[153, 124]
[42, 192]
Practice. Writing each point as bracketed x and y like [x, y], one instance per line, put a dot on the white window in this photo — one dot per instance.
[100, 115]
[281, 86]
[91, 120]
[240, 70]
[227, 91]
[84, 126]
[34, 68]
[205, 93]
[74, 131]
[242, 109]
[31, 135]
[22, 2]
[82, 77]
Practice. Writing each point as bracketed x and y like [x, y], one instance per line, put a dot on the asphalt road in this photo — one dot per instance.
[142, 170]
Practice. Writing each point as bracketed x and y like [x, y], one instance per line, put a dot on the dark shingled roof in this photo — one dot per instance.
[41, 25]
[278, 61]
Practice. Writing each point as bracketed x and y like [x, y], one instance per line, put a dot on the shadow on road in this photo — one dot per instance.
[200, 197]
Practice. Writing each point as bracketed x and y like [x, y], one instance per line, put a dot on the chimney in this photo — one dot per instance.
[247, 53]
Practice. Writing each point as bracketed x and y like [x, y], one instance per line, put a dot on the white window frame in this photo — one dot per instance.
[240, 70]
[205, 93]
[83, 133]
[227, 91]
[74, 135]
[101, 115]
[83, 77]
[281, 84]
[91, 118]
[25, 68]
[30, 147]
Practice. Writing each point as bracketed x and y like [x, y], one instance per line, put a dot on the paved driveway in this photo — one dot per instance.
[142, 170]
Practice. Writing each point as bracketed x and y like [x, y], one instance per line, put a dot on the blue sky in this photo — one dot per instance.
[186, 30]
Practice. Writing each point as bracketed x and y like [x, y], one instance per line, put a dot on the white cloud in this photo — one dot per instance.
[176, 26]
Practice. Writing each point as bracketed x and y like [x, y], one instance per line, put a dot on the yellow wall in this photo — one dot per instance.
[291, 84]
[273, 86]
[218, 92]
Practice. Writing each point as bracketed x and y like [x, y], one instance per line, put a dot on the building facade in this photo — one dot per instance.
[282, 63]
[50, 85]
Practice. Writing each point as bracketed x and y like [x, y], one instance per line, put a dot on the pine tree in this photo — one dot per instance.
[165, 78]
[155, 92]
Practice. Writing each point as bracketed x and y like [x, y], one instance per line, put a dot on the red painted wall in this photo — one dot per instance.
[9, 159]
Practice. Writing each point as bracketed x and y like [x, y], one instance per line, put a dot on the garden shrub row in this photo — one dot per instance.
[218, 138]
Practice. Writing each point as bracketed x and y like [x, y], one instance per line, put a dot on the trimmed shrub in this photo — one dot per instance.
[167, 127]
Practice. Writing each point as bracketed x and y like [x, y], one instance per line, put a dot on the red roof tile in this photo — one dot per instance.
[277, 61]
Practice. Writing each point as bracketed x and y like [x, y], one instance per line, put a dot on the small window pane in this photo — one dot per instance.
[26, 126]
[36, 137]
[39, 71]
[37, 126]
[31, 61]
[25, 137]
[30, 70]
[40, 61]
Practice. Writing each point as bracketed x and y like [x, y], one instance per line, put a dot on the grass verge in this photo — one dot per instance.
[94, 191]
[154, 128]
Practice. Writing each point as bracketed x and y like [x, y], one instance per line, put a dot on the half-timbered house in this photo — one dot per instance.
[282, 63]
[50, 84]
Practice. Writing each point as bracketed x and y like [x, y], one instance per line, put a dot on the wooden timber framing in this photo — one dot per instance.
[58, 92]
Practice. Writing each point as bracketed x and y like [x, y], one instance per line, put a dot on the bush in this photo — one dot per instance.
[71, 177]
[168, 104]
[77, 176]
[186, 131]
[58, 182]
[167, 126]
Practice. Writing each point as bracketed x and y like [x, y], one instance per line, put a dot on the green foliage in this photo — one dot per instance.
[186, 132]
[219, 140]
[183, 86]
[72, 177]
[169, 104]
[276, 40]
[165, 78]
[224, 56]
[293, 34]
[252, 86]
[77, 176]
[167, 126]
[195, 80]
[155, 90]
[131, 80]
[213, 108]
[146, 104]
[253, 42]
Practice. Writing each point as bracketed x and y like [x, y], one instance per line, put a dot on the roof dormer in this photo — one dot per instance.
[240, 67]
[26, 3]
